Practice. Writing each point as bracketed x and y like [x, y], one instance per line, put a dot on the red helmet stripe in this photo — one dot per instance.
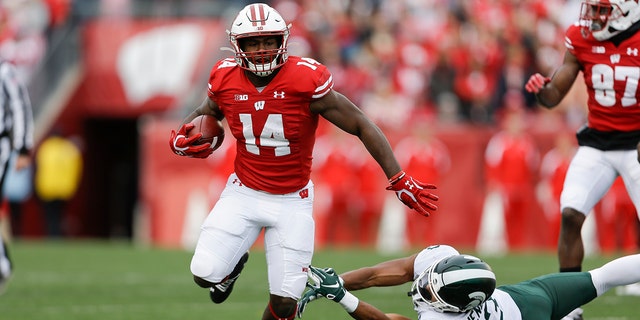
[257, 14]
[252, 11]
[263, 16]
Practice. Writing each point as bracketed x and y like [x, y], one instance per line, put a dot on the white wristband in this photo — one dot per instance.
[349, 302]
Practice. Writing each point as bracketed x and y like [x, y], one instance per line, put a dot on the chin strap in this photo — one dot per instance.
[275, 316]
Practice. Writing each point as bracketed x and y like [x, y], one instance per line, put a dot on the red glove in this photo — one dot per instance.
[182, 145]
[413, 193]
[536, 82]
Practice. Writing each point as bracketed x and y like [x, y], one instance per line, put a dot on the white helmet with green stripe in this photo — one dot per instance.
[456, 283]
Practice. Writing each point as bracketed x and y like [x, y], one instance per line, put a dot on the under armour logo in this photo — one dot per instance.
[277, 95]
[409, 184]
[632, 52]
[259, 105]
[304, 194]
[237, 181]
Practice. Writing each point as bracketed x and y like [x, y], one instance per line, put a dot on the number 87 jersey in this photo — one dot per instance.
[611, 71]
[273, 125]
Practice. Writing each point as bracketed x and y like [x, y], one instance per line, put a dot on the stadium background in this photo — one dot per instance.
[120, 74]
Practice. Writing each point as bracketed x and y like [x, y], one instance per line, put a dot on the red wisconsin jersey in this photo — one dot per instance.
[611, 74]
[273, 127]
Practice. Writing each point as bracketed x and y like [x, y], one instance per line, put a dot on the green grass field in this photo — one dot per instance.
[106, 280]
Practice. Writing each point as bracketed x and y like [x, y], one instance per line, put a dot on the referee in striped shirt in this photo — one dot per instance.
[16, 133]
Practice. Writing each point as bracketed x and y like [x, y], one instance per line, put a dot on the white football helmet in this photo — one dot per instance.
[256, 20]
[456, 283]
[607, 18]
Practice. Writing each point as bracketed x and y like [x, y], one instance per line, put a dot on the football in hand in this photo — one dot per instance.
[211, 129]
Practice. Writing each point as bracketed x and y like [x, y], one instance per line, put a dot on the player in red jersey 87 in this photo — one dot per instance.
[605, 46]
[272, 103]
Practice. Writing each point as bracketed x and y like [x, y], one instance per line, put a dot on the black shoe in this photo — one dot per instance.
[220, 292]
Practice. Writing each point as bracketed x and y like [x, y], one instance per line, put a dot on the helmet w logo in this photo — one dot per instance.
[615, 58]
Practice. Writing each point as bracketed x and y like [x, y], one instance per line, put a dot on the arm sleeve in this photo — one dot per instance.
[19, 105]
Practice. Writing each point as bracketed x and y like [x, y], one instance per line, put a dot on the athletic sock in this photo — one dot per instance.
[619, 272]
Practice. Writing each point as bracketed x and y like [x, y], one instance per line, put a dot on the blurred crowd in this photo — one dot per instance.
[458, 60]
[25, 28]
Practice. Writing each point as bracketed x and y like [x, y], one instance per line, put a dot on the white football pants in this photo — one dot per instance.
[234, 224]
[591, 174]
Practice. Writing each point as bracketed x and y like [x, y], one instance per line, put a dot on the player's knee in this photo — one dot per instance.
[203, 268]
[199, 268]
[281, 307]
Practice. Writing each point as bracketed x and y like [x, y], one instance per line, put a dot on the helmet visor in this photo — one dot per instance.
[422, 284]
[595, 15]
[260, 54]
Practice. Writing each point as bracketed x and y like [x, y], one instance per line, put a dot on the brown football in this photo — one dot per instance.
[211, 129]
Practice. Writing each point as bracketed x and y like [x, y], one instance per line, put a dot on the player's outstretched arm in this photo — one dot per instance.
[388, 273]
[367, 311]
[340, 111]
[326, 283]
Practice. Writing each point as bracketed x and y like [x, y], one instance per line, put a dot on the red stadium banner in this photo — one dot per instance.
[136, 67]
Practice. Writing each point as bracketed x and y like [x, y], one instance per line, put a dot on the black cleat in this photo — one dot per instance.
[221, 291]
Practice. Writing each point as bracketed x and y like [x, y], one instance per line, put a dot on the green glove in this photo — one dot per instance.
[307, 297]
[327, 283]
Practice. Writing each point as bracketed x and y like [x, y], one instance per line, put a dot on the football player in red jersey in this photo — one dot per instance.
[272, 103]
[605, 46]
